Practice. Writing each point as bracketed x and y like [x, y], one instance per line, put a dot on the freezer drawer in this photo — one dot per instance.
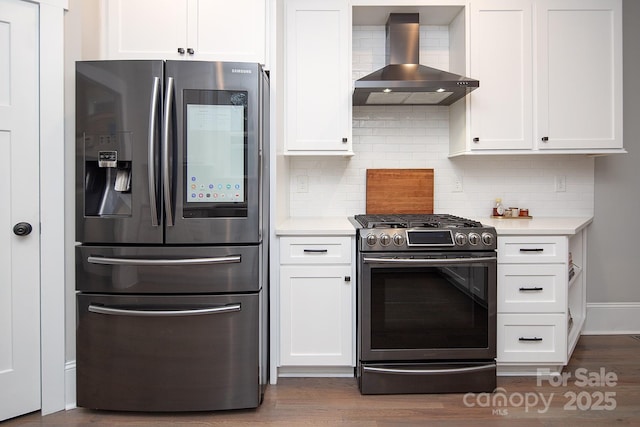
[168, 270]
[168, 353]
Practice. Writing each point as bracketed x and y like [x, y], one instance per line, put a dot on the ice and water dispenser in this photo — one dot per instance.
[107, 168]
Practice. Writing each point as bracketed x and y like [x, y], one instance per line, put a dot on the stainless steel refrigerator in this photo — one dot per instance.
[172, 228]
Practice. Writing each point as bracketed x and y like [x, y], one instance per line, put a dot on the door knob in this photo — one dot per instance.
[22, 228]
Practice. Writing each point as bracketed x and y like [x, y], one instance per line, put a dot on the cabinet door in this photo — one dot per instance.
[501, 58]
[532, 288]
[316, 312]
[317, 77]
[224, 30]
[579, 72]
[145, 29]
[532, 338]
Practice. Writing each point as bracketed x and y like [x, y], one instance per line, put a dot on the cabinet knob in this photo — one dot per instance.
[181, 50]
[476, 139]
[545, 139]
[347, 278]
[345, 140]
[190, 51]
[22, 229]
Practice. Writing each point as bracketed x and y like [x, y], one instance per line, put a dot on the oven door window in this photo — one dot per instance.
[429, 307]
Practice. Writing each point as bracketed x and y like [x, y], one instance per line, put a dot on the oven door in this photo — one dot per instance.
[427, 307]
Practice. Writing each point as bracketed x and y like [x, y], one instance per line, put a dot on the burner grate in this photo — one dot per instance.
[415, 221]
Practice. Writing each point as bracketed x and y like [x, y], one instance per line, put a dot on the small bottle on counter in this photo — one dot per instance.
[498, 209]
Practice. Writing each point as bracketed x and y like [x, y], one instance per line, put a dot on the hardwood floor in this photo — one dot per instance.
[588, 398]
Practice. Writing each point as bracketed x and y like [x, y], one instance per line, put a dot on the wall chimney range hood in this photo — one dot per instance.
[403, 81]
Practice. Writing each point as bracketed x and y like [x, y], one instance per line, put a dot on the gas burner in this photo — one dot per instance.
[422, 232]
[415, 221]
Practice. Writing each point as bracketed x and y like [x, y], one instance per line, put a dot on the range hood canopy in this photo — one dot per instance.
[403, 81]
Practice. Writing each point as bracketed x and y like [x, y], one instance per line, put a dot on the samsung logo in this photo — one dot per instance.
[240, 71]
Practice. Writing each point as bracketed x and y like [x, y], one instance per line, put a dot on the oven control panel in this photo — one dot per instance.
[394, 239]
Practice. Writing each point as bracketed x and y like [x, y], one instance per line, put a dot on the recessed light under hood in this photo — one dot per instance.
[404, 81]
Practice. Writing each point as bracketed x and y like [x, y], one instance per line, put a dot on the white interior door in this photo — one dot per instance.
[19, 203]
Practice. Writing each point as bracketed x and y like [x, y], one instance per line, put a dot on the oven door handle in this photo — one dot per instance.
[428, 371]
[164, 262]
[163, 313]
[374, 260]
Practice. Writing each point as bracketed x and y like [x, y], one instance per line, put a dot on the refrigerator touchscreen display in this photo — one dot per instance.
[215, 169]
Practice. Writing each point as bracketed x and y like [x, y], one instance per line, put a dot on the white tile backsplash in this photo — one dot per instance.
[418, 137]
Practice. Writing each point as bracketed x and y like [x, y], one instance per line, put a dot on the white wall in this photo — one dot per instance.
[613, 244]
[418, 137]
[82, 41]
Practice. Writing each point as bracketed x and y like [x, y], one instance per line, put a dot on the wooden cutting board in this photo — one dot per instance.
[399, 191]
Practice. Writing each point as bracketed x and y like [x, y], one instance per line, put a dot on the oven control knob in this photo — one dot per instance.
[487, 239]
[371, 239]
[398, 239]
[385, 239]
[461, 239]
[474, 238]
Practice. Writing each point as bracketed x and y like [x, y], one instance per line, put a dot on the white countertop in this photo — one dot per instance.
[318, 226]
[541, 225]
[315, 226]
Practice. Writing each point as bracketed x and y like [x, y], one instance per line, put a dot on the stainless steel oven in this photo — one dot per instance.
[426, 309]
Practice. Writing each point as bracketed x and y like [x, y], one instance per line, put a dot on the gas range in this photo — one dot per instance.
[422, 232]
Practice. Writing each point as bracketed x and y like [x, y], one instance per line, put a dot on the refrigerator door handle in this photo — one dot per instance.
[153, 111]
[166, 165]
[164, 262]
[163, 313]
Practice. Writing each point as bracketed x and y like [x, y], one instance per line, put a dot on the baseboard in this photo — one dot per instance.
[70, 385]
[316, 371]
[612, 318]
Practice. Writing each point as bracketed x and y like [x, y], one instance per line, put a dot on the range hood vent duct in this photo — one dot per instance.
[403, 81]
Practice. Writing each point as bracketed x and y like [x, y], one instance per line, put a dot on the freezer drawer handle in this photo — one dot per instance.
[164, 262]
[163, 313]
[427, 371]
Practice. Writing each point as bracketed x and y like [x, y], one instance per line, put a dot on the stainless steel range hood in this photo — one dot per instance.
[404, 81]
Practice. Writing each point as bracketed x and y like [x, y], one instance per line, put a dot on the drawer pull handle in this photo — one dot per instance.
[531, 250]
[536, 289]
[92, 259]
[315, 251]
[163, 313]
[529, 339]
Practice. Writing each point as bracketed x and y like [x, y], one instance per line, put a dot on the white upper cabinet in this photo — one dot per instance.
[550, 76]
[317, 76]
[217, 30]
[579, 74]
[501, 58]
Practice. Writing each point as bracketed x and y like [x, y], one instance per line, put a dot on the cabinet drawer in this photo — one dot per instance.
[532, 288]
[315, 250]
[532, 249]
[532, 338]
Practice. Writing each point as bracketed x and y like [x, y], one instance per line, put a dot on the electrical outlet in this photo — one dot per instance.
[457, 184]
[302, 182]
[561, 183]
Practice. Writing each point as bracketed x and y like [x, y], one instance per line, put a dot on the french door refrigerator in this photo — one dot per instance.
[171, 224]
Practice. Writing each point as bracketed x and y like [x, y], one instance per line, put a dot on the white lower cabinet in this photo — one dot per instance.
[541, 302]
[317, 312]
